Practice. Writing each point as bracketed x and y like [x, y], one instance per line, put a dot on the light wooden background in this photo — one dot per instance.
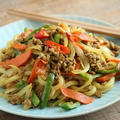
[107, 10]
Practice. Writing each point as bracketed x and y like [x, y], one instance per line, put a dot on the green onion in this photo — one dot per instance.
[46, 26]
[46, 91]
[68, 106]
[35, 99]
[85, 75]
[25, 29]
[57, 37]
[107, 71]
[33, 32]
[21, 84]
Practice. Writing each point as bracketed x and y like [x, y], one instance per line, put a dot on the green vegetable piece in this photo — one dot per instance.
[96, 76]
[35, 99]
[46, 26]
[25, 29]
[16, 53]
[33, 32]
[85, 75]
[57, 37]
[68, 106]
[46, 91]
[21, 84]
[31, 35]
[107, 71]
[25, 42]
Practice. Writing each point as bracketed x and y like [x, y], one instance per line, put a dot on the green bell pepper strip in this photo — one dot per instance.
[57, 37]
[68, 106]
[85, 75]
[33, 32]
[114, 70]
[46, 91]
[21, 84]
[35, 99]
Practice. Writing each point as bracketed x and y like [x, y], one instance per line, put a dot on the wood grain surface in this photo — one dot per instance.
[107, 10]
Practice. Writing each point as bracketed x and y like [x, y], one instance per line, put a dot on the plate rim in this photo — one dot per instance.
[71, 115]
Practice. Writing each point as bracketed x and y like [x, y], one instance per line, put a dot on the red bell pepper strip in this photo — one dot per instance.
[19, 46]
[105, 77]
[115, 60]
[19, 60]
[79, 36]
[33, 74]
[37, 68]
[27, 33]
[41, 34]
[60, 48]
[80, 97]
[71, 37]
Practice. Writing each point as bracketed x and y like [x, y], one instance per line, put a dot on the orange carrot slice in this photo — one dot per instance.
[105, 77]
[19, 60]
[76, 95]
[19, 46]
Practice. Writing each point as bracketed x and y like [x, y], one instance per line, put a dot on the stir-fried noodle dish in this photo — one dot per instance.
[57, 65]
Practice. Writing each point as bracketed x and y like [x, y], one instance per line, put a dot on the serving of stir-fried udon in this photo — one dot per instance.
[57, 65]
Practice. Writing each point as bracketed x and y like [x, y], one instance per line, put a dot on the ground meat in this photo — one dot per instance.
[114, 48]
[95, 44]
[99, 93]
[94, 60]
[57, 62]
[62, 64]
[35, 41]
[20, 38]
[7, 53]
[15, 99]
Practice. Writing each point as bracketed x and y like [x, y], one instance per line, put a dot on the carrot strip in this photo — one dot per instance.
[103, 43]
[76, 95]
[85, 37]
[19, 46]
[77, 65]
[115, 60]
[80, 46]
[105, 77]
[19, 60]
[41, 70]
[33, 74]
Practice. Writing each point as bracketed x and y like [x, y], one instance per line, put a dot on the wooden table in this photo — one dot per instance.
[107, 10]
